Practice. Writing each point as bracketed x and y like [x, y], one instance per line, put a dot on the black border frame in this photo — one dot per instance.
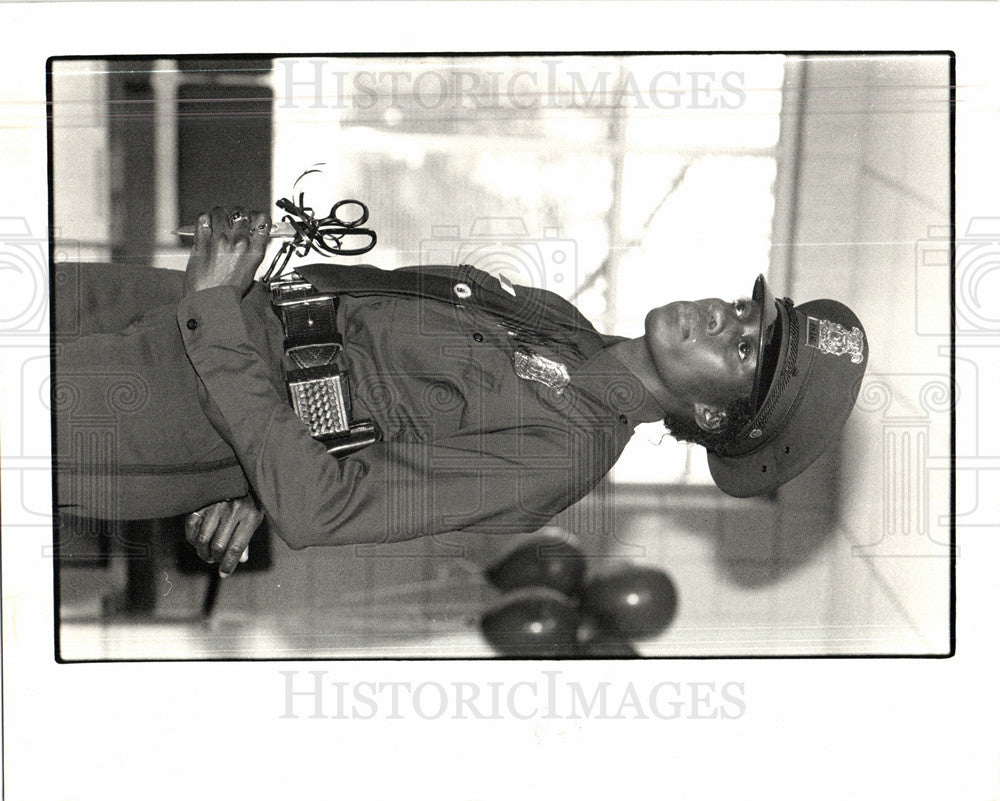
[952, 77]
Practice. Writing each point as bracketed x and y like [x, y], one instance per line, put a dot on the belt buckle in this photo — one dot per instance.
[279, 296]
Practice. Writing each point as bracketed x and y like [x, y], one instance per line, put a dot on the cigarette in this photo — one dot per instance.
[279, 230]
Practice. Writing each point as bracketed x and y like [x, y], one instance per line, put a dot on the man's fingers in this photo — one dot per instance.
[223, 534]
[219, 219]
[260, 232]
[239, 228]
[238, 544]
[220, 231]
[260, 225]
[230, 245]
[215, 515]
[239, 217]
[192, 525]
[202, 233]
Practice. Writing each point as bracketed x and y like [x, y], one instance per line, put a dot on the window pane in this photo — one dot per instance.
[619, 183]
[710, 238]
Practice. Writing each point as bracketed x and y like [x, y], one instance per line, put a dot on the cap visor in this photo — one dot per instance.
[764, 299]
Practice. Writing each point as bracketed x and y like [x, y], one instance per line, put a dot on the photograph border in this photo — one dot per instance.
[952, 574]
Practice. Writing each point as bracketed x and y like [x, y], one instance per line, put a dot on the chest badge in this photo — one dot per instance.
[532, 367]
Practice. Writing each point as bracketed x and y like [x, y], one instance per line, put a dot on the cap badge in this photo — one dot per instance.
[836, 340]
[532, 367]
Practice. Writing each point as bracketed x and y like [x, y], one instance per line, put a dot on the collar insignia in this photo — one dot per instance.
[506, 285]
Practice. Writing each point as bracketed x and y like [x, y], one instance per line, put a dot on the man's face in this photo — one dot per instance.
[705, 351]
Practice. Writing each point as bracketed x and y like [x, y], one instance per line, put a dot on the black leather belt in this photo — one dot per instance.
[318, 389]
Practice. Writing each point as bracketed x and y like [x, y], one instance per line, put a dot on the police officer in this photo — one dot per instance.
[498, 406]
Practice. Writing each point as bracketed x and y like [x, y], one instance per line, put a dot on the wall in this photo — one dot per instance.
[81, 173]
[872, 194]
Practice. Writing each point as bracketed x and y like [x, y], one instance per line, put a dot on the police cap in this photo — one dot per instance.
[811, 359]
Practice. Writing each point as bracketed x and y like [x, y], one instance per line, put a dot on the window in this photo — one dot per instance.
[620, 183]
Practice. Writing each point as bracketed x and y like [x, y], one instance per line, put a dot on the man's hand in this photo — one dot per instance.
[229, 246]
[221, 531]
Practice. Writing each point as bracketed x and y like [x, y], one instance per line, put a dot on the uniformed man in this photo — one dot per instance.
[495, 407]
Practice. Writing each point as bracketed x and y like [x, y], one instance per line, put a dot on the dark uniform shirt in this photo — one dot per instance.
[467, 444]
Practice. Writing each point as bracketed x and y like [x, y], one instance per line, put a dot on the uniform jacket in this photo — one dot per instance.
[186, 405]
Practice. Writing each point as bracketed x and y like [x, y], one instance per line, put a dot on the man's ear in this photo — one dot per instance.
[709, 418]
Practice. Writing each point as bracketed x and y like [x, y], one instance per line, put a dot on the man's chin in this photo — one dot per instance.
[662, 344]
[664, 329]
